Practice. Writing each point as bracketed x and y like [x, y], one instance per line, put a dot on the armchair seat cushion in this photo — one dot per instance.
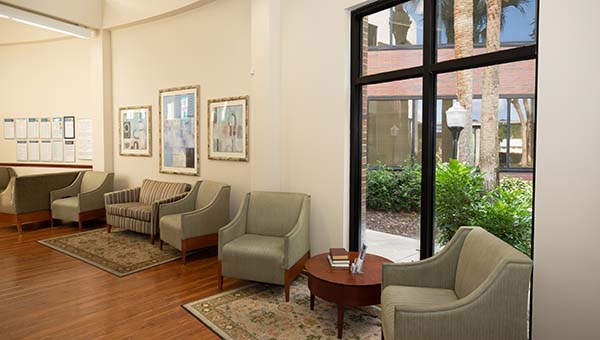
[134, 210]
[66, 208]
[254, 257]
[393, 296]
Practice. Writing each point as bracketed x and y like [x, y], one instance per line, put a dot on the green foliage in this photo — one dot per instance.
[458, 190]
[394, 190]
[507, 213]
[380, 188]
[460, 199]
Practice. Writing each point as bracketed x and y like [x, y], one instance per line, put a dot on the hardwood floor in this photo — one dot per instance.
[45, 294]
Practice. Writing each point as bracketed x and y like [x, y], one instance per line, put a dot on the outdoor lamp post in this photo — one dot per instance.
[456, 118]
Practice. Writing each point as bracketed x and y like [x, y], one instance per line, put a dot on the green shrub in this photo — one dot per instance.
[458, 190]
[506, 212]
[394, 190]
[380, 188]
[408, 188]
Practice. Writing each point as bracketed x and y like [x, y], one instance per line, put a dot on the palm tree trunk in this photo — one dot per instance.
[463, 47]
[523, 124]
[529, 114]
[488, 159]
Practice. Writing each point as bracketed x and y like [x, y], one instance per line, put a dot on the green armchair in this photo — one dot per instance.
[194, 221]
[268, 240]
[82, 200]
[474, 288]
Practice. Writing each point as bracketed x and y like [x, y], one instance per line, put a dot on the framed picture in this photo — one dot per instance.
[69, 127]
[178, 130]
[228, 129]
[135, 131]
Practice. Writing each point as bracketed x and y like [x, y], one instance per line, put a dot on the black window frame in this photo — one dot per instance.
[428, 72]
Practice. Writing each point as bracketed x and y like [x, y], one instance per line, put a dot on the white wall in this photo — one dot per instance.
[208, 46]
[567, 227]
[44, 80]
[315, 106]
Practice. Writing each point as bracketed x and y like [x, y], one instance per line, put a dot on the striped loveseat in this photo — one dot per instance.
[138, 209]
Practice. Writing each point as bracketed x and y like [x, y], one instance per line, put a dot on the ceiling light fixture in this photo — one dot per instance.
[44, 22]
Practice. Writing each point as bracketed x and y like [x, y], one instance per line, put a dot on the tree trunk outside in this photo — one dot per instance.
[463, 47]
[488, 159]
[523, 124]
[529, 114]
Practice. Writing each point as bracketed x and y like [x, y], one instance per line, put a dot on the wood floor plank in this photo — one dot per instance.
[45, 294]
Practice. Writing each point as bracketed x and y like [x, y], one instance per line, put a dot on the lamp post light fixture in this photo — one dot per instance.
[456, 119]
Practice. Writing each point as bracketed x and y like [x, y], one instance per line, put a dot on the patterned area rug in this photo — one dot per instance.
[120, 253]
[259, 312]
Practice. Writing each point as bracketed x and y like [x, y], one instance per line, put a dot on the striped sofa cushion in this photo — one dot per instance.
[135, 210]
[154, 190]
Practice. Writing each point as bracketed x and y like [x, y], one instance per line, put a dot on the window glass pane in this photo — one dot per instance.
[393, 38]
[391, 186]
[521, 132]
[475, 184]
[472, 33]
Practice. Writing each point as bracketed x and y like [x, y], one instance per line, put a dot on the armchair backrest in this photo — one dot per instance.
[32, 192]
[5, 174]
[92, 180]
[208, 192]
[479, 257]
[152, 191]
[273, 213]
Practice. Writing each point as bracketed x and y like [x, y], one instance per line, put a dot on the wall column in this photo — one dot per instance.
[101, 88]
[265, 94]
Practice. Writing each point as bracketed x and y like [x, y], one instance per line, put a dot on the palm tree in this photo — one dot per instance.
[463, 47]
[488, 155]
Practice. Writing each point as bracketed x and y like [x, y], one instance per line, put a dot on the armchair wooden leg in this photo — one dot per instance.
[220, 274]
[80, 225]
[108, 228]
[152, 239]
[292, 273]
[183, 251]
[161, 245]
[51, 223]
[19, 227]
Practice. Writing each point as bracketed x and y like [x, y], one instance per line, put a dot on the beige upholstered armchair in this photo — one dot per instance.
[268, 240]
[194, 221]
[475, 288]
[82, 200]
[26, 199]
[138, 209]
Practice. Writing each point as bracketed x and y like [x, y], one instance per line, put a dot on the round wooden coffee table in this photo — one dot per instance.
[341, 287]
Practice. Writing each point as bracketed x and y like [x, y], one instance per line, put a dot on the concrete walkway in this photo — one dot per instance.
[394, 247]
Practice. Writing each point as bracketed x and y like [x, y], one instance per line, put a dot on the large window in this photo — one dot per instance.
[413, 63]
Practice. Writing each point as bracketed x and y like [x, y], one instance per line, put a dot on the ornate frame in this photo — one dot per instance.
[161, 93]
[243, 158]
[148, 130]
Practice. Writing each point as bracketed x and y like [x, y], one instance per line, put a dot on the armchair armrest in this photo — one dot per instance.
[94, 200]
[7, 198]
[157, 206]
[498, 306]
[235, 228]
[209, 219]
[180, 206]
[438, 271]
[68, 191]
[297, 241]
[122, 196]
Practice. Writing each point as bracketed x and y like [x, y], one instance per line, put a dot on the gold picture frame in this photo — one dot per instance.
[125, 136]
[228, 135]
[179, 143]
